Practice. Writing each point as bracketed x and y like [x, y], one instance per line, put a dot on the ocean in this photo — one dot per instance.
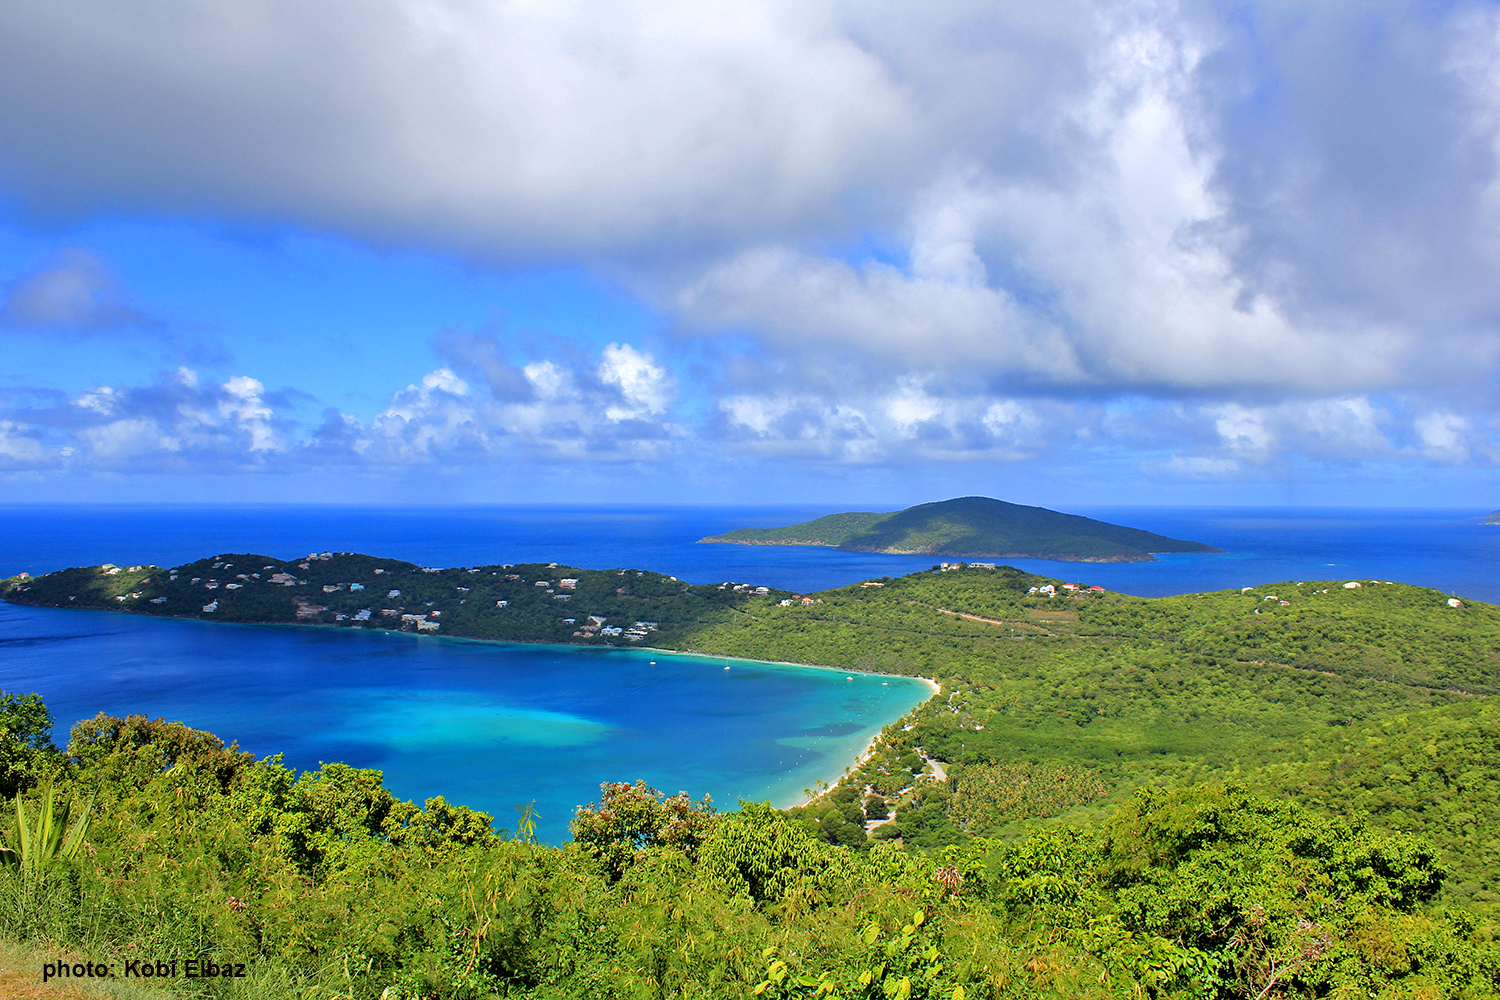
[495, 726]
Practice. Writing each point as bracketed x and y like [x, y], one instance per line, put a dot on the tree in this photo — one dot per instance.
[633, 818]
[26, 748]
[760, 853]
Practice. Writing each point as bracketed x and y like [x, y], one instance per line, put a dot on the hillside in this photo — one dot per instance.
[974, 527]
[540, 602]
[1291, 790]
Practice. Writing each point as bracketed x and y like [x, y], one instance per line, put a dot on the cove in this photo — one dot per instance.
[487, 725]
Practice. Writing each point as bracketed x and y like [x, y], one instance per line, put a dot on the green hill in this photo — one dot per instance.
[972, 527]
[1290, 790]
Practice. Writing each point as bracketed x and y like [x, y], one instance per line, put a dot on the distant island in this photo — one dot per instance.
[971, 527]
[1493, 517]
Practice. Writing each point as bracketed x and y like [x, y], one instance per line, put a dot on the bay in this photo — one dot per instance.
[487, 725]
[495, 725]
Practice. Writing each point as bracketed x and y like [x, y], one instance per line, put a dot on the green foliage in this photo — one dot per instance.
[991, 796]
[630, 819]
[326, 885]
[1296, 788]
[26, 749]
[904, 962]
[831, 529]
[50, 833]
[134, 749]
[761, 854]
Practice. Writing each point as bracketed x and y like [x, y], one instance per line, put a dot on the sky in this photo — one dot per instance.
[1059, 252]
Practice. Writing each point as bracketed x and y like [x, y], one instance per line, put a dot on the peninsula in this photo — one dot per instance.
[971, 527]
[1183, 768]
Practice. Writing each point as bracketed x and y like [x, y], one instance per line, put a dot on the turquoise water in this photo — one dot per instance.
[493, 726]
[488, 725]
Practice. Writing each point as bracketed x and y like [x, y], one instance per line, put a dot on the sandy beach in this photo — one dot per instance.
[869, 749]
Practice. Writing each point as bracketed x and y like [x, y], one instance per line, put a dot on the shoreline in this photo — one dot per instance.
[837, 768]
[869, 748]
[798, 801]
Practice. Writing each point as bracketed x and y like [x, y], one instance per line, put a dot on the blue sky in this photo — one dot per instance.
[1063, 252]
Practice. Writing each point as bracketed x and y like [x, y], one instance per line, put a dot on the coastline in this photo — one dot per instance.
[796, 800]
[784, 791]
[869, 747]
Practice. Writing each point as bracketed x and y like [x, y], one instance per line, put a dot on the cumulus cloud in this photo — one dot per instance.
[179, 422]
[966, 232]
[1234, 440]
[613, 409]
[23, 447]
[907, 421]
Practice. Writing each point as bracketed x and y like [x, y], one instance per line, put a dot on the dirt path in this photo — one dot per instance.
[993, 621]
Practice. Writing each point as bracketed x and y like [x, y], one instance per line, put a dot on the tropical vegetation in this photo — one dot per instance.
[1290, 790]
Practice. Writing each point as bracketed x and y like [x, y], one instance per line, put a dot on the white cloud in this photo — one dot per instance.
[1201, 467]
[1118, 273]
[21, 448]
[505, 130]
[243, 405]
[1447, 438]
[645, 389]
[176, 423]
[1174, 199]
[1227, 440]
[901, 423]
[612, 410]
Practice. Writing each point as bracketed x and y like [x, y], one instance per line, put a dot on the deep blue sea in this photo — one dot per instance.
[495, 725]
